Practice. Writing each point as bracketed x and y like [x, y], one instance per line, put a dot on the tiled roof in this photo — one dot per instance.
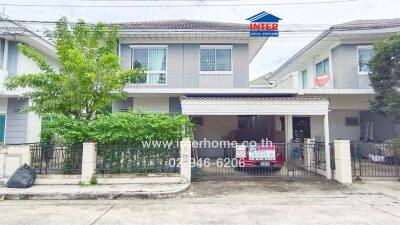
[183, 25]
[260, 98]
[8, 26]
[367, 24]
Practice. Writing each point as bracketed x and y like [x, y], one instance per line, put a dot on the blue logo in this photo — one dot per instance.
[264, 24]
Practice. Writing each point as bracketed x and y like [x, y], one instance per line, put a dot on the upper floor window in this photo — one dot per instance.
[153, 59]
[2, 45]
[322, 67]
[216, 59]
[304, 79]
[364, 55]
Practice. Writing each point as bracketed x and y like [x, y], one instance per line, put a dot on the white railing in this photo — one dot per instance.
[288, 82]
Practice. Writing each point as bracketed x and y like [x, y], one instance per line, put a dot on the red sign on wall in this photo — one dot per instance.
[321, 80]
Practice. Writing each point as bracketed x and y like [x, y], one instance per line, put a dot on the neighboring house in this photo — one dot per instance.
[262, 82]
[17, 126]
[335, 65]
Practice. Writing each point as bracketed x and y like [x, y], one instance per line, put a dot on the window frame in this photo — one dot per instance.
[347, 118]
[2, 55]
[323, 67]
[230, 47]
[133, 47]
[368, 47]
[5, 128]
[304, 72]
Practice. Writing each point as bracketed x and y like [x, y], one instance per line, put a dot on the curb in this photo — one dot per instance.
[95, 195]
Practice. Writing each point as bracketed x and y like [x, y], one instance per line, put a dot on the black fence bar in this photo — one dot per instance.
[56, 159]
[375, 159]
[292, 160]
[133, 158]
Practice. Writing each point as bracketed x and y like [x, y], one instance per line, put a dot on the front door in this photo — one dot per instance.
[301, 128]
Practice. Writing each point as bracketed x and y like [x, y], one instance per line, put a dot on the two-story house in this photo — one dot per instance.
[335, 65]
[17, 126]
[201, 69]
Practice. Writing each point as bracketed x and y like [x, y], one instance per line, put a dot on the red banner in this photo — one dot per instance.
[321, 80]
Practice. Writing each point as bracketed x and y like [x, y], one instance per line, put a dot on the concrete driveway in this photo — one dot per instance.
[261, 202]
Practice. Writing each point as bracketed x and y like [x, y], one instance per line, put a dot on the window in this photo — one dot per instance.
[304, 79]
[2, 44]
[322, 67]
[215, 59]
[364, 55]
[153, 60]
[352, 121]
[2, 127]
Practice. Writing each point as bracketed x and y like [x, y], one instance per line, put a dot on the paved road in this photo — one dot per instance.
[262, 202]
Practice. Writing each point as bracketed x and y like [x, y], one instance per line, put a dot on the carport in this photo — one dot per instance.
[282, 106]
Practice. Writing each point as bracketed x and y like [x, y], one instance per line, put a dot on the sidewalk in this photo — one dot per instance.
[76, 192]
[226, 202]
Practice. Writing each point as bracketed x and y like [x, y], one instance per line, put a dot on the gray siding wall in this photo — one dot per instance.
[12, 58]
[126, 56]
[183, 65]
[240, 62]
[345, 68]
[17, 121]
[119, 106]
[191, 67]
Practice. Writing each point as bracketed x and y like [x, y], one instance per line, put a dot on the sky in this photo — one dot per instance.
[274, 53]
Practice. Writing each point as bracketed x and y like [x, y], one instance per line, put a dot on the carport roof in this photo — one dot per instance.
[260, 98]
[303, 105]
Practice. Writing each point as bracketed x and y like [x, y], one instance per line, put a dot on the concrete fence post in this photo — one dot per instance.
[342, 162]
[186, 168]
[309, 153]
[12, 157]
[89, 155]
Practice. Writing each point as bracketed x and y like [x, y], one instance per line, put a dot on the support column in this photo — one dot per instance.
[89, 155]
[288, 128]
[342, 162]
[309, 153]
[186, 167]
[12, 157]
[327, 150]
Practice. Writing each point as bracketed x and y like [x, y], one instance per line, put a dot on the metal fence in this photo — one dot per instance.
[56, 159]
[375, 160]
[291, 160]
[319, 154]
[133, 158]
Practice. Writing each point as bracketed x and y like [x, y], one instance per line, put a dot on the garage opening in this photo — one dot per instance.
[253, 146]
[239, 137]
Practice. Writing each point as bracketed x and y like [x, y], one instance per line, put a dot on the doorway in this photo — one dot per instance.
[301, 128]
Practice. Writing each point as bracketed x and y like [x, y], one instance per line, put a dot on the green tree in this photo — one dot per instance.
[385, 77]
[90, 75]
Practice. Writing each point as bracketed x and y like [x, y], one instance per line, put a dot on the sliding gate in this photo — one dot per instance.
[292, 160]
[380, 160]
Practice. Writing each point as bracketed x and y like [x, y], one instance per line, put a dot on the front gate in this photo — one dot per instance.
[291, 161]
[375, 160]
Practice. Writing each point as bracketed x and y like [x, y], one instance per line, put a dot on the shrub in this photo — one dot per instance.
[118, 127]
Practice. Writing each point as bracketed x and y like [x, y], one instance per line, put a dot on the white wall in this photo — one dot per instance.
[213, 129]
[34, 128]
[3, 105]
[151, 104]
[317, 127]
[337, 128]
[349, 102]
